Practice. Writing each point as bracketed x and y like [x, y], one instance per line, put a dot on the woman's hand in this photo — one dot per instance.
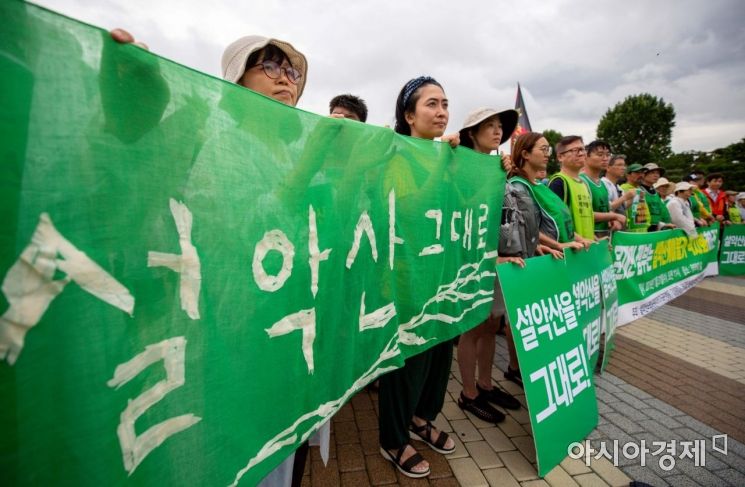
[452, 139]
[546, 250]
[515, 260]
[506, 162]
[123, 37]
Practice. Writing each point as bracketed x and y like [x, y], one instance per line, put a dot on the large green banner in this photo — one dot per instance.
[732, 253]
[557, 328]
[195, 278]
[654, 268]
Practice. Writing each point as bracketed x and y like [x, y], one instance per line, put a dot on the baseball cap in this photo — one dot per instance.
[635, 168]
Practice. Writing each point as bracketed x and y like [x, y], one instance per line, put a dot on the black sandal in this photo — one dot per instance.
[481, 408]
[438, 445]
[514, 375]
[406, 467]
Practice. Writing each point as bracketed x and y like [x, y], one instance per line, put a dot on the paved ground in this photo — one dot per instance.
[677, 374]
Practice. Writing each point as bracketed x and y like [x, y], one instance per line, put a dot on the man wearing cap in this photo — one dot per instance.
[598, 154]
[699, 202]
[680, 210]
[659, 218]
[570, 151]
[717, 198]
[637, 213]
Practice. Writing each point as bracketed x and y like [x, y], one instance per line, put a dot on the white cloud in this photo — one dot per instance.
[575, 59]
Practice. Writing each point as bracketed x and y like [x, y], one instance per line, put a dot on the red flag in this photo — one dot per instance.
[523, 123]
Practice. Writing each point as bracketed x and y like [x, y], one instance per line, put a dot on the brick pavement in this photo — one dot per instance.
[674, 375]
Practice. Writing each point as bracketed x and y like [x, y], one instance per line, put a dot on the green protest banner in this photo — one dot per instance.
[609, 296]
[732, 253]
[556, 328]
[195, 278]
[654, 268]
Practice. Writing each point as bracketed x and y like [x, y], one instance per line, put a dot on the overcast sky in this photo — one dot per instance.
[573, 58]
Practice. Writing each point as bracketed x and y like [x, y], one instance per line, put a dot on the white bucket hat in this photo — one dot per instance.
[236, 54]
[683, 186]
[664, 182]
[507, 117]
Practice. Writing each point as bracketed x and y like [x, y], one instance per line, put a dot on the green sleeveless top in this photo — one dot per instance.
[580, 205]
[656, 207]
[637, 213]
[600, 203]
[734, 214]
[695, 207]
[557, 212]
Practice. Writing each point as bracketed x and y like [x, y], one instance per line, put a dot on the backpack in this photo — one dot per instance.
[518, 233]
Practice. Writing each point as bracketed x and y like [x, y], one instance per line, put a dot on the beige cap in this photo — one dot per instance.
[236, 54]
[683, 186]
[508, 118]
[651, 166]
[664, 182]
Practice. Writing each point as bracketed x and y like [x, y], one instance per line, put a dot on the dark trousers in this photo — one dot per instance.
[416, 389]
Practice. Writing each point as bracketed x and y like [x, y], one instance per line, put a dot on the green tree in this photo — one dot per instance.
[552, 136]
[641, 127]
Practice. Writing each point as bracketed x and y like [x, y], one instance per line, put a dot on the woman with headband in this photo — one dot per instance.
[411, 397]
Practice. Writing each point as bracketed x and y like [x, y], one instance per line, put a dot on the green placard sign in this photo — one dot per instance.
[732, 253]
[557, 328]
[195, 278]
[654, 268]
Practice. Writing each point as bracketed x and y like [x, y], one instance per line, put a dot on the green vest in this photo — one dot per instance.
[555, 209]
[657, 208]
[734, 214]
[580, 203]
[695, 208]
[600, 203]
[637, 213]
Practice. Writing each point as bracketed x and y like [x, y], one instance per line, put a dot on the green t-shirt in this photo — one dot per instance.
[600, 200]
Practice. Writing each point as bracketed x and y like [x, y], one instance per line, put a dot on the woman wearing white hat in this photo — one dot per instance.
[680, 209]
[484, 130]
[271, 67]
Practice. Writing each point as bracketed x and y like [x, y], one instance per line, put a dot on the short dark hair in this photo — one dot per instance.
[352, 103]
[565, 141]
[402, 127]
[714, 175]
[615, 158]
[597, 144]
[268, 53]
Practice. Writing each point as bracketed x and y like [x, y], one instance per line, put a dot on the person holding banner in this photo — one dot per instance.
[484, 130]
[411, 397]
[543, 211]
[571, 154]
[680, 209]
[637, 212]
[598, 155]
[699, 202]
[659, 218]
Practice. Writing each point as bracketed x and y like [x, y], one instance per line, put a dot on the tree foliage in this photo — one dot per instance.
[641, 127]
[552, 136]
[730, 161]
